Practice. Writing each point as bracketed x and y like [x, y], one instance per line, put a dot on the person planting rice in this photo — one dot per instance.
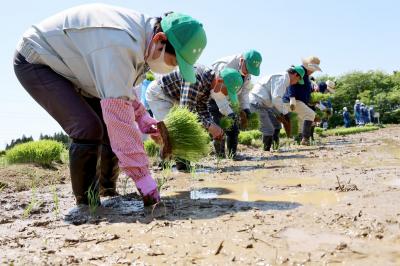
[247, 64]
[298, 98]
[266, 99]
[80, 66]
[169, 90]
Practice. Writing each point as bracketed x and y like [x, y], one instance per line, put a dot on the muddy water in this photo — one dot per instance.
[277, 208]
[253, 192]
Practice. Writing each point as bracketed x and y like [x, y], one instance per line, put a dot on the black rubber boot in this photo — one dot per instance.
[306, 132]
[275, 138]
[109, 171]
[182, 165]
[232, 140]
[83, 160]
[312, 132]
[219, 146]
[267, 140]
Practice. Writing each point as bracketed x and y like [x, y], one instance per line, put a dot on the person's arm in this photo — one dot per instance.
[114, 74]
[223, 106]
[244, 94]
[278, 89]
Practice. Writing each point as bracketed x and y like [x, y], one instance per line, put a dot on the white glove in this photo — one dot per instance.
[292, 103]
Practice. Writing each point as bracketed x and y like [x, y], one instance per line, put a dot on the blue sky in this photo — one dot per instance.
[346, 35]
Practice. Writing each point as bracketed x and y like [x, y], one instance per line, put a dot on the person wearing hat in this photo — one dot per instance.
[346, 117]
[298, 97]
[171, 89]
[266, 98]
[80, 65]
[357, 112]
[247, 64]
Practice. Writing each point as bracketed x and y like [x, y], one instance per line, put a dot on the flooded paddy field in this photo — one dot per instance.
[333, 203]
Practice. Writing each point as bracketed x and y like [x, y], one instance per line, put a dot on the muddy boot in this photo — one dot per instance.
[267, 140]
[312, 132]
[182, 165]
[219, 146]
[83, 159]
[306, 133]
[232, 140]
[109, 171]
[275, 139]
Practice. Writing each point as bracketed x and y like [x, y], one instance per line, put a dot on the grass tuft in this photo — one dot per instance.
[42, 152]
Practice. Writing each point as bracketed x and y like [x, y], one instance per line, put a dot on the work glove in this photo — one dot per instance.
[285, 120]
[292, 103]
[244, 118]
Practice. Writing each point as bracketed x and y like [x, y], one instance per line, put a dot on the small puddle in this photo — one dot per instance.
[252, 192]
[293, 181]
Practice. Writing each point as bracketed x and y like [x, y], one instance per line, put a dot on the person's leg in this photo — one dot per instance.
[232, 139]
[308, 116]
[266, 125]
[277, 127]
[59, 98]
[219, 145]
[108, 167]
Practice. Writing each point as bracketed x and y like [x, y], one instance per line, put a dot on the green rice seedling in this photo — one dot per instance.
[254, 121]
[167, 169]
[125, 184]
[161, 182]
[55, 200]
[2, 186]
[189, 140]
[193, 171]
[247, 137]
[32, 204]
[151, 148]
[319, 131]
[226, 123]
[93, 198]
[316, 97]
[42, 152]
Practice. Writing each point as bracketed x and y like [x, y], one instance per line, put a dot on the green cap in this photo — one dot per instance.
[299, 70]
[233, 82]
[253, 61]
[188, 38]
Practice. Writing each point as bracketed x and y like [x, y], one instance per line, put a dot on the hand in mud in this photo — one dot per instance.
[152, 198]
[216, 132]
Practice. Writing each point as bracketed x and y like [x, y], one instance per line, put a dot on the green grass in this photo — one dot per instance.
[189, 140]
[34, 202]
[42, 152]
[348, 131]
[151, 148]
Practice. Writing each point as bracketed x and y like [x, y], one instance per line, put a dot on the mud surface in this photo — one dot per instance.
[333, 203]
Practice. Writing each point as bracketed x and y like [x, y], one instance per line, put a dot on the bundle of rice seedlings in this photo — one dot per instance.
[151, 148]
[247, 137]
[316, 97]
[188, 139]
[226, 123]
[254, 121]
[294, 124]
